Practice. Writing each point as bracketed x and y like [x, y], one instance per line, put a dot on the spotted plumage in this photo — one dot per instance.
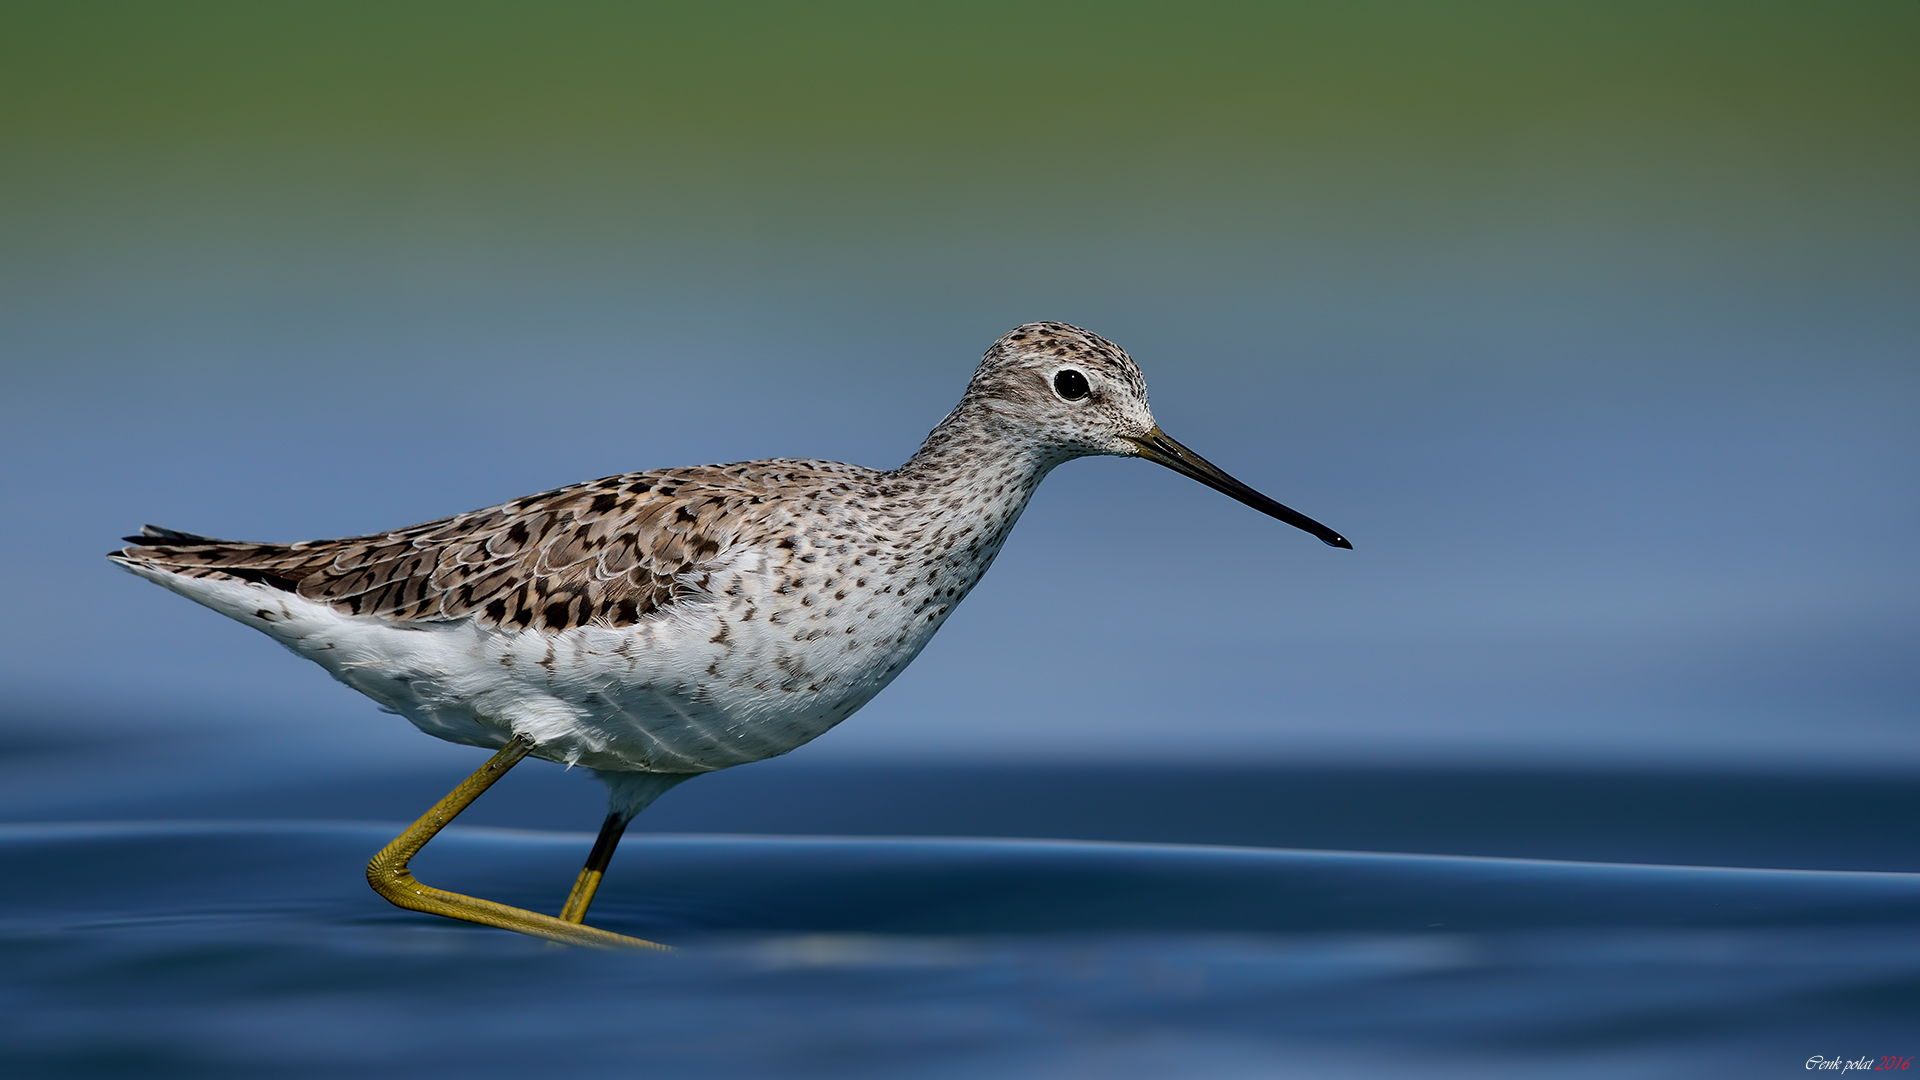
[656, 625]
[604, 553]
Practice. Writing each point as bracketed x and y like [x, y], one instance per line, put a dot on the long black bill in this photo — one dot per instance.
[1158, 446]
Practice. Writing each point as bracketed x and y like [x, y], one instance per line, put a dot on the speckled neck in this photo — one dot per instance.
[972, 449]
[959, 495]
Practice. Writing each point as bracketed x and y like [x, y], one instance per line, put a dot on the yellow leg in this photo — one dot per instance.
[389, 876]
[588, 882]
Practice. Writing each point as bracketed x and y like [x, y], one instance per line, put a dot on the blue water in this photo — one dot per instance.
[256, 949]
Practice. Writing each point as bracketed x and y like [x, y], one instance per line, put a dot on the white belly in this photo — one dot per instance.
[752, 669]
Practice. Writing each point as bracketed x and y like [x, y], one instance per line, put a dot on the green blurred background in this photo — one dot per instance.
[194, 163]
[1594, 325]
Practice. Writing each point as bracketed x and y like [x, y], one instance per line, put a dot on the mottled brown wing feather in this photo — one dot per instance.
[609, 551]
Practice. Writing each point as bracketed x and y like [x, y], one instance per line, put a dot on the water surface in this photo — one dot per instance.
[212, 949]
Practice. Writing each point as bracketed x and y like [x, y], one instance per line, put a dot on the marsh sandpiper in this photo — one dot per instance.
[655, 626]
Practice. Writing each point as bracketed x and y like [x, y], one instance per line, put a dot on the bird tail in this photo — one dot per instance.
[157, 551]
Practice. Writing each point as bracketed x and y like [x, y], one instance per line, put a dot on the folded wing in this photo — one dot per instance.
[608, 552]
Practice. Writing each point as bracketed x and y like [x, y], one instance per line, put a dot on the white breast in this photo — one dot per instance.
[768, 656]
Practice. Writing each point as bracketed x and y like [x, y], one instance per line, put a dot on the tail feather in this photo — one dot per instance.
[192, 555]
[150, 533]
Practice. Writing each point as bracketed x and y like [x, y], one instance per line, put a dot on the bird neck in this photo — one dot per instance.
[972, 447]
[973, 477]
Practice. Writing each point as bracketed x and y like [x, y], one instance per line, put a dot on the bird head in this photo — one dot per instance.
[1076, 394]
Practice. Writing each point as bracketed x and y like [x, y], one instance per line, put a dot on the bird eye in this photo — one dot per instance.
[1071, 385]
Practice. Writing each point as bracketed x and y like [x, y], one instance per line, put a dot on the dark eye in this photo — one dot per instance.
[1071, 385]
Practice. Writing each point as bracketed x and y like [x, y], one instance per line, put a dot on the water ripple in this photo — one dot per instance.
[206, 949]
